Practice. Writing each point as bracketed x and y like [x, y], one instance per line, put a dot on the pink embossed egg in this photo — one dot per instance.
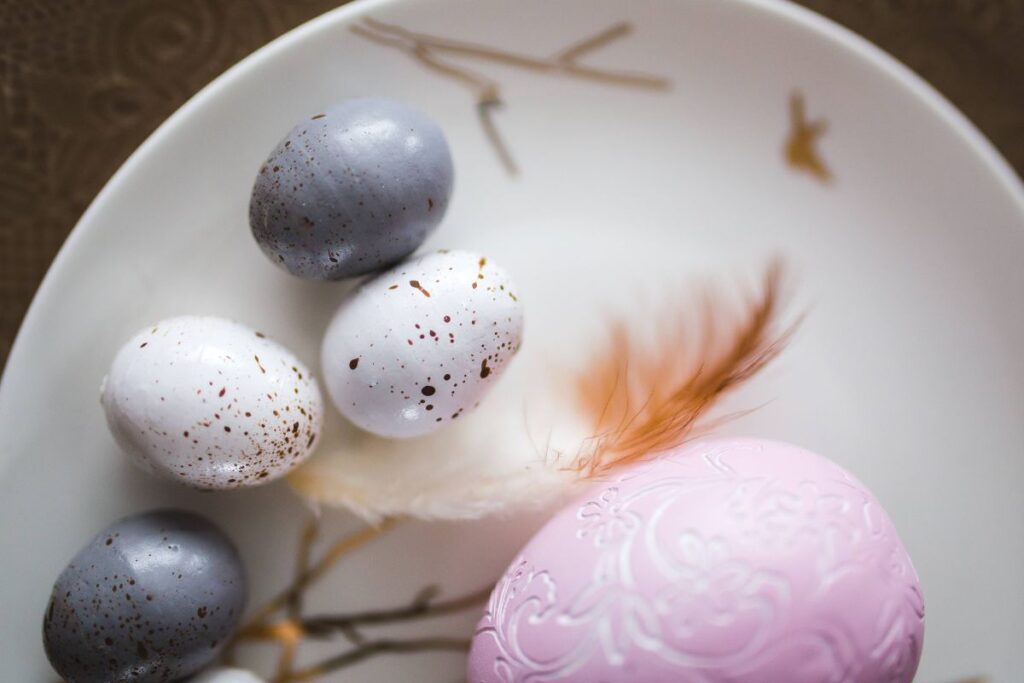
[734, 560]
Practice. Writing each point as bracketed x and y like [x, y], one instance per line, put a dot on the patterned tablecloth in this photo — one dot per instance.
[85, 81]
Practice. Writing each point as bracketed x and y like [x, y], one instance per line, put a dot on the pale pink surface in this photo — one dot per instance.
[733, 560]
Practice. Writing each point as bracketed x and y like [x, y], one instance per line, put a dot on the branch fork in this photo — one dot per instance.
[290, 630]
[436, 54]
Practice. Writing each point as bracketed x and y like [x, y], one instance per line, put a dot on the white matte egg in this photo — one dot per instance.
[419, 345]
[211, 403]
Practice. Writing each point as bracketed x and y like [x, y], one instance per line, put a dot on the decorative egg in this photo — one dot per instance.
[734, 560]
[211, 403]
[226, 675]
[419, 345]
[152, 598]
[351, 190]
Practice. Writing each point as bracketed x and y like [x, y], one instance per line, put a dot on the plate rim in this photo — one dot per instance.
[886, 64]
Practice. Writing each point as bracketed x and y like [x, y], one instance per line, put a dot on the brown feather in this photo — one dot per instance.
[645, 400]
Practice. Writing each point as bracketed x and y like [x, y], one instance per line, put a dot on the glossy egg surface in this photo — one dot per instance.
[151, 598]
[352, 189]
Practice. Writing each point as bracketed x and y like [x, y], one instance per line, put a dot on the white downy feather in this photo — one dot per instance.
[509, 452]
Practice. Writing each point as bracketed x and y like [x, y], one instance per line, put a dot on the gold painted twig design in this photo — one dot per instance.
[802, 144]
[293, 628]
[435, 53]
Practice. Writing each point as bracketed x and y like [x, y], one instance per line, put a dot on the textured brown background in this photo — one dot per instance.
[85, 81]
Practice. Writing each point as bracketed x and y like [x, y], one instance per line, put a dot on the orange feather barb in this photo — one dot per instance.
[646, 398]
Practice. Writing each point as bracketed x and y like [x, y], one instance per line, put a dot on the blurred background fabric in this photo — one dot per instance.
[85, 81]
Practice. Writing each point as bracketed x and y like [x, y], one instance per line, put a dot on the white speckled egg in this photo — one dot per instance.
[211, 403]
[419, 345]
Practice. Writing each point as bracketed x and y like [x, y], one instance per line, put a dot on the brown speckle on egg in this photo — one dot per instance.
[197, 455]
[372, 334]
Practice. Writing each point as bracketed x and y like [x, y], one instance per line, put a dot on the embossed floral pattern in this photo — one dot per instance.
[728, 560]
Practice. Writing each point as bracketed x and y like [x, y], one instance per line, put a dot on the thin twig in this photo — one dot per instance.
[256, 629]
[352, 634]
[290, 632]
[309, 534]
[484, 111]
[542, 64]
[291, 637]
[374, 648]
[613, 32]
[424, 48]
[479, 84]
[484, 89]
[333, 554]
[421, 608]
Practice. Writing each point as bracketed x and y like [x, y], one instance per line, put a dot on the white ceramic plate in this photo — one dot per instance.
[908, 370]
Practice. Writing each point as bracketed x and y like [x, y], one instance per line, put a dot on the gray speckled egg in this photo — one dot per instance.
[151, 598]
[351, 190]
[421, 344]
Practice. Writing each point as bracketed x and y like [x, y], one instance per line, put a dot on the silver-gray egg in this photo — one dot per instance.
[351, 190]
[152, 598]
